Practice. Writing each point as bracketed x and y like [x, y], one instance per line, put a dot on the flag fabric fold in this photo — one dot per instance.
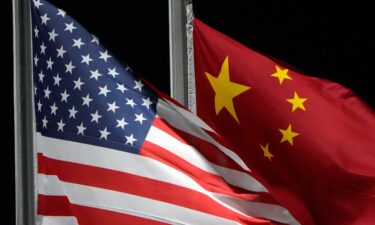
[310, 141]
[112, 150]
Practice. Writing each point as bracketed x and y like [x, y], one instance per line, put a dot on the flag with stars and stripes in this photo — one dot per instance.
[111, 150]
[309, 141]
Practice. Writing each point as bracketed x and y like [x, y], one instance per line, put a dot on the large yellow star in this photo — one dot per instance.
[281, 74]
[288, 134]
[225, 90]
[266, 151]
[297, 102]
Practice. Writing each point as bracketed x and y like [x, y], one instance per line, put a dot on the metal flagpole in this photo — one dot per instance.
[178, 50]
[190, 58]
[23, 113]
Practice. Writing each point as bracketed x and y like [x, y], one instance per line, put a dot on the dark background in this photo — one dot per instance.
[335, 42]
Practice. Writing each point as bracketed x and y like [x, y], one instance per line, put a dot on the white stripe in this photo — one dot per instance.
[176, 147]
[239, 179]
[126, 203]
[56, 220]
[186, 124]
[260, 210]
[194, 157]
[190, 116]
[134, 164]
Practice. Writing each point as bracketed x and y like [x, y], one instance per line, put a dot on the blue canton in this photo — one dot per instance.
[82, 93]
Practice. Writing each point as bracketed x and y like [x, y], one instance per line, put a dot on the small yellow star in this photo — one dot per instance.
[288, 134]
[225, 90]
[281, 74]
[297, 102]
[266, 152]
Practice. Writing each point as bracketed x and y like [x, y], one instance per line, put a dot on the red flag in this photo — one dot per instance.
[310, 141]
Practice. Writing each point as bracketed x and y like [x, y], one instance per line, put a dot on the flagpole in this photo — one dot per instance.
[178, 50]
[190, 58]
[23, 113]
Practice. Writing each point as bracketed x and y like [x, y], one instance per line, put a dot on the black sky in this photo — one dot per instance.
[335, 42]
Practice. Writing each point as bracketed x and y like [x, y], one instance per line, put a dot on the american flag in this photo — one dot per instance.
[111, 150]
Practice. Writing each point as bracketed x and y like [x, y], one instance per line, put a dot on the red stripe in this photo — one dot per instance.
[60, 206]
[208, 181]
[132, 184]
[208, 150]
[54, 205]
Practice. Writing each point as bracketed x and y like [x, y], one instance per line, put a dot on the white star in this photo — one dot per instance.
[138, 85]
[72, 112]
[81, 129]
[95, 39]
[35, 89]
[60, 52]
[130, 140]
[78, 43]
[130, 102]
[86, 100]
[121, 123]
[43, 49]
[57, 80]
[39, 106]
[139, 118]
[37, 3]
[36, 59]
[61, 12]
[52, 35]
[70, 27]
[53, 109]
[78, 84]
[49, 63]
[104, 55]
[113, 72]
[41, 76]
[44, 19]
[60, 125]
[104, 91]
[146, 103]
[69, 67]
[112, 107]
[121, 87]
[45, 121]
[36, 31]
[95, 117]
[95, 74]
[47, 92]
[86, 59]
[104, 133]
[64, 96]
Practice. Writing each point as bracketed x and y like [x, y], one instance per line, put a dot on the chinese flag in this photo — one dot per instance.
[310, 141]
